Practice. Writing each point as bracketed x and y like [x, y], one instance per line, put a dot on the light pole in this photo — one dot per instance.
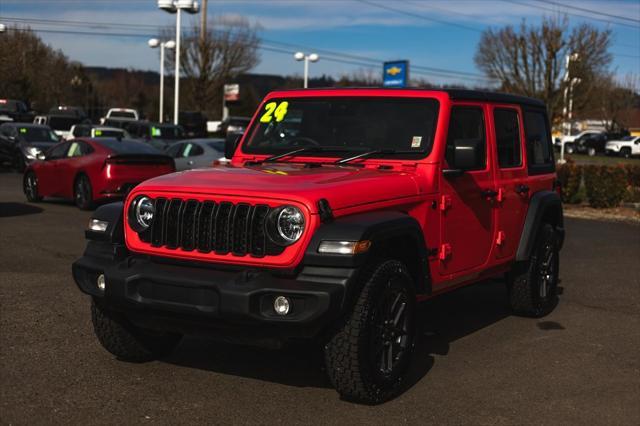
[567, 100]
[153, 43]
[299, 56]
[177, 6]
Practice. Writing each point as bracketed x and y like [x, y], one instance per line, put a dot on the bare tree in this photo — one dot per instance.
[530, 60]
[614, 102]
[225, 50]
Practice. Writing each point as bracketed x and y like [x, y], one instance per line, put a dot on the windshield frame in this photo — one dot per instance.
[283, 96]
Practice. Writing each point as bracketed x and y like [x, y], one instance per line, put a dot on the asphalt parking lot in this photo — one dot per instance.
[474, 364]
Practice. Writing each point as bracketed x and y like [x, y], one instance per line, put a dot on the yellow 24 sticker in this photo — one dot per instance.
[273, 109]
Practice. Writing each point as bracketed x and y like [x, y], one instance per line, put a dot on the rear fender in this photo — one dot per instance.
[544, 207]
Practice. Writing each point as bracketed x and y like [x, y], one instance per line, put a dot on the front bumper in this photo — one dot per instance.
[195, 299]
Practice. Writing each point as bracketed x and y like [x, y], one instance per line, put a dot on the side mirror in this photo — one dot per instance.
[41, 157]
[463, 155]
[230, 144]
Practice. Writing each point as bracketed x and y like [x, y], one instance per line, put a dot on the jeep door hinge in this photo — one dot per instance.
[445, 251]
[445, 202]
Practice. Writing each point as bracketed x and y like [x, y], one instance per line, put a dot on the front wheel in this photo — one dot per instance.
[368, 355]
[591, 152]
[127, 342]
[625, 152]
[569, 149]
[533, 285]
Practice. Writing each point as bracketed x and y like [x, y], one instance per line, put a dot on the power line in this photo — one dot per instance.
[135, 27]
[537, 7]
[595, 12]
[417, 15]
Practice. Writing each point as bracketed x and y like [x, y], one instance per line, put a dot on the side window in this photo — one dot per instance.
[58, 151]
[466, 127]
[539, 149]
[507, 137]
[192, 150]
[85, 148]
[174, 149]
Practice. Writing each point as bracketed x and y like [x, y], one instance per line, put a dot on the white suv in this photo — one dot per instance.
[121, 114]
[626, 147]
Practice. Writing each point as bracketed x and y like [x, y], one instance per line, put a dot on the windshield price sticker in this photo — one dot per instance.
[416, 141]
[98, 132]
[155, 132]
[23, 130]
[274, 110]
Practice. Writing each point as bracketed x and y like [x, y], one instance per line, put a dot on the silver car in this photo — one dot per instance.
[196, 153]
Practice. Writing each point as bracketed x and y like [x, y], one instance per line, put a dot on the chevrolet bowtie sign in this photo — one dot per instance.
[395, 74]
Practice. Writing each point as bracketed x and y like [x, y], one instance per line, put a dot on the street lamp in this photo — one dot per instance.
[299, 56]
[568, 100]
[177, 6]
[153, 43]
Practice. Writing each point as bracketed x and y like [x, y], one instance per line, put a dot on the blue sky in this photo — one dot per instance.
[350, 27]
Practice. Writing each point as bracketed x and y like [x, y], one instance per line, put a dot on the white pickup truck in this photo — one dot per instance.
[121, 114]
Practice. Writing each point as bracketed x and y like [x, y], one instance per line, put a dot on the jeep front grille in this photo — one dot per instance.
[208, 226]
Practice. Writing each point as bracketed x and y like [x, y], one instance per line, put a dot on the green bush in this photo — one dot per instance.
[633, 183]
[606, 186]
[570, 177]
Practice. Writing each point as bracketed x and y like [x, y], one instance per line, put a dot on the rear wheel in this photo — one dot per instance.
[83, 193]
[368, 355]
[625, 152]
[127, 342]
[533, 284]
[30, 187]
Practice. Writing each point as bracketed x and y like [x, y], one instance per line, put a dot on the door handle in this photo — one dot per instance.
[489, 193]
[522, 189]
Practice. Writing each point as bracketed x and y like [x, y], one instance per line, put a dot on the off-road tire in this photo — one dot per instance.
[349, 353]
[526, 278]
[30, 187]
[83, 193]
[127, 342]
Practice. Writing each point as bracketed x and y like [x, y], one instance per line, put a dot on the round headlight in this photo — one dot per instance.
[141, 213]
[286, 225]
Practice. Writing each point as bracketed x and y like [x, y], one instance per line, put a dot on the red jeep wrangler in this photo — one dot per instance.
[340, 209]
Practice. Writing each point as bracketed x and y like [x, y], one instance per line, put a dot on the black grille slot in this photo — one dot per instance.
[208, 226]
[172, 239]
[205, 219]
[222, 228]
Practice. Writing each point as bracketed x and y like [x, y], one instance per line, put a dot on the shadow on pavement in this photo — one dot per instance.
[18, 209]
[441, 321]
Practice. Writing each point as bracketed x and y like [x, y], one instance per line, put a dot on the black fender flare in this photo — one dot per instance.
[544, 206]
[381, 228]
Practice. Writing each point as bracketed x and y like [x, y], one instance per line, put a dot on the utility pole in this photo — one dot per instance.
[567, 101]
[203, 21]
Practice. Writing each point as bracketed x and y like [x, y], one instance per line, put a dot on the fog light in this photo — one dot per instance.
[281, 305]
[98, 225]
[101, 282]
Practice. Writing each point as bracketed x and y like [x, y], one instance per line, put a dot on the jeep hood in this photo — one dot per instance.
[342, 186]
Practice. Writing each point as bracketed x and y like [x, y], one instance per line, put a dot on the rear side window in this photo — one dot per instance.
[192, 150]
[467, 124]
[507, 138]
[539, 149]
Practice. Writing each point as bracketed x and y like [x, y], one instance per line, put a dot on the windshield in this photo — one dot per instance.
[122, 114]
[62, 123]
[166, 132]
[127, 146]
[9, 105]
[37, 134]
[628, 138]
[353, 124]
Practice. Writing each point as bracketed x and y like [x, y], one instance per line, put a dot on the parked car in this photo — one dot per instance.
[627, 146]
[92, 131]
[160, 135]
[61, 124]
[15, 110]
[90, 170]
[66, 110]
[196, 153]
[384, 198]
[193, 123]
[21, 143]
[568, 140]
[121, 114]
[592, 144]
[234, 125]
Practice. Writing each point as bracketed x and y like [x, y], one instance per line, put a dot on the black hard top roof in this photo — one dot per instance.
[456, 94]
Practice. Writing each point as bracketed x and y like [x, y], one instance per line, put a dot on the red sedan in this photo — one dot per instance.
[90, 170]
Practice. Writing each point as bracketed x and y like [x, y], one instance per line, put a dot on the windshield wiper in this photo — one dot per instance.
[300, 151]
[373, 152]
